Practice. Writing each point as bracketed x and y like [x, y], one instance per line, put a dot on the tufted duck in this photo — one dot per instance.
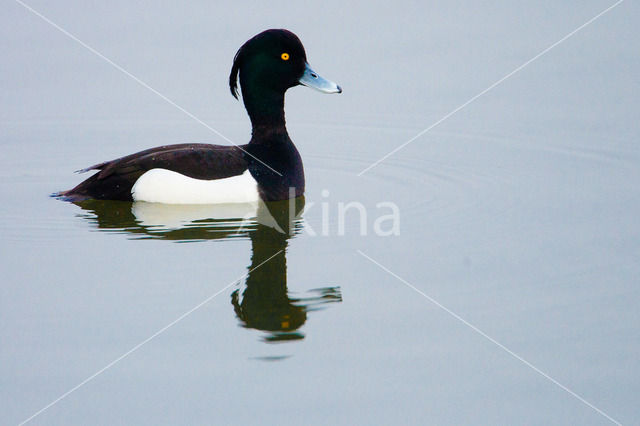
[269, 167]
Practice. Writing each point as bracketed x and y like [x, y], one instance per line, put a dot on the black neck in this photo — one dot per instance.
[266, 111]
[273, 160]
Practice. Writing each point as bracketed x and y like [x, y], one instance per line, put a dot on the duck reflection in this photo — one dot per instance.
[264, 302]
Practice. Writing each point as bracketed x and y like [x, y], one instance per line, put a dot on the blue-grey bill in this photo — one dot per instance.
[310, 78]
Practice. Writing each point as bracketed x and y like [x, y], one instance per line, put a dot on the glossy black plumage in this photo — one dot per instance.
[271, 157]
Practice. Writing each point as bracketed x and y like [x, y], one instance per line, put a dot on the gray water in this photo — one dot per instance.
[518, 220]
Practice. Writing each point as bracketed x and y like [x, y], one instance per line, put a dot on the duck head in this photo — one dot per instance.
[267, 65]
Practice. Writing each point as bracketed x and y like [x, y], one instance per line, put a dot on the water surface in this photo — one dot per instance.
[519, 214]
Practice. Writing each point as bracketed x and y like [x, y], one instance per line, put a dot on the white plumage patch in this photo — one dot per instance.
[169, 187]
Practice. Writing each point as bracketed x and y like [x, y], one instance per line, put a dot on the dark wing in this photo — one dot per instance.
[116, 178]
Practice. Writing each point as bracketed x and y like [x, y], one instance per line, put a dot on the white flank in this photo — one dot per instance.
[168, 187]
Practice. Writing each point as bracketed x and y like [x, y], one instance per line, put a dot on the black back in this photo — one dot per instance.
[199, 161]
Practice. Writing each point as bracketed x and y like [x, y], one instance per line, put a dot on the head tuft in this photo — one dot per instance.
[233, 77]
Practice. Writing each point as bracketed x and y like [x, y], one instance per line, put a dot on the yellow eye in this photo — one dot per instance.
[285, 56]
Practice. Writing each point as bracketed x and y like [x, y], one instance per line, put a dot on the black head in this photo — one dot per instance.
[273, 60]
